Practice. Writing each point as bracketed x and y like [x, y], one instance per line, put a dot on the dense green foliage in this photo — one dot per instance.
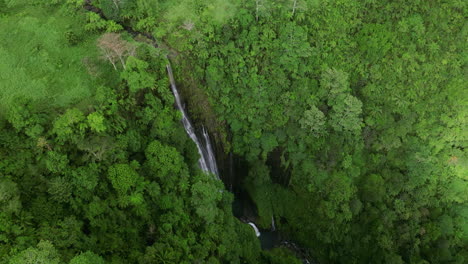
[351, 116]
[42, 61]
[113, 179]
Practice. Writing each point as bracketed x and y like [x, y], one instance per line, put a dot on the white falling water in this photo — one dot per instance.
[211, 160]
[207, 159]
[257, 232]
[273, 227]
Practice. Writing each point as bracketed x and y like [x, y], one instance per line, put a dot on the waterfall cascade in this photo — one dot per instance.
[209, 155]
[207, 159]
[257, 232]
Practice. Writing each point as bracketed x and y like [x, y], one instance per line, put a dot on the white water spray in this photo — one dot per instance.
[211, 160]
[273, 227]
[257, 232]
[207, 159]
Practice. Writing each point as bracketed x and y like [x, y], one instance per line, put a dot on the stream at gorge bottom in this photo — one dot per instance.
[233, 169]
[244, 209]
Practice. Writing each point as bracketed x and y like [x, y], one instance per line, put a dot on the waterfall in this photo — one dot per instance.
[273, 227]
[211, 160]
[207, 159]
[257, 232]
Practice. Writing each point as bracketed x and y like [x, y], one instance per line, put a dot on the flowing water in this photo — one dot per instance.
[257, 232]
[207, 159]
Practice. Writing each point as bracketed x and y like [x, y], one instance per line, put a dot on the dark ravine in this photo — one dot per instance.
[243, 206]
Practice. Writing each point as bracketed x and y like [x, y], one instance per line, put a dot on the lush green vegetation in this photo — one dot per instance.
[47, 56]
[113, 178]
[351, 116]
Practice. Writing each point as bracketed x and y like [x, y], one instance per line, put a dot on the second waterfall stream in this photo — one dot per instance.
[207, 159]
